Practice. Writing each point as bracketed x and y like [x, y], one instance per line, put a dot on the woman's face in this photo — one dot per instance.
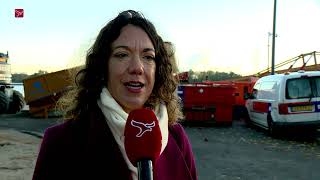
[131, 68]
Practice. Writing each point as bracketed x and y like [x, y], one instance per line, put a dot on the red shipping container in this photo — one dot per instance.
[204, 102]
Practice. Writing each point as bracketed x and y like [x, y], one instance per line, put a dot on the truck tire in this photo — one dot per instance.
[4, 102]
[16, 103]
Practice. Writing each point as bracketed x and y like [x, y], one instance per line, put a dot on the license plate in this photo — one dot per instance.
[307, 108]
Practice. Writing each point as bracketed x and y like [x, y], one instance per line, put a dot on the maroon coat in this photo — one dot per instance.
[87, 150]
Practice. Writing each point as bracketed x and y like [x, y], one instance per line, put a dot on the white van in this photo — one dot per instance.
[290, 99]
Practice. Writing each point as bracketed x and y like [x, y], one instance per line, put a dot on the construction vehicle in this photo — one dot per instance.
[11, 101]
[43, 91]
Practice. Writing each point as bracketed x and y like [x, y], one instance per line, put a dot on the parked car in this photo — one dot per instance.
[284, 100]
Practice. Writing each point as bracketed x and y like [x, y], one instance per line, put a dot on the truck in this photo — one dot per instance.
[11, 101]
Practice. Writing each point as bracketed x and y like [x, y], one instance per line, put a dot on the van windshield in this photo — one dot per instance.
[303, 88]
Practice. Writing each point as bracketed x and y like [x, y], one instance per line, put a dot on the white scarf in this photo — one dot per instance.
[116, 119]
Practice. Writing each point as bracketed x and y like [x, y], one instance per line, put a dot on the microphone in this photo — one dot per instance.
[142, 141]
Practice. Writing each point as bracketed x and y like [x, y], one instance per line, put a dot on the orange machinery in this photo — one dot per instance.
[43, 91]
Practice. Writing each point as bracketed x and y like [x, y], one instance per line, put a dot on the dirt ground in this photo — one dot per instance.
[18, 152]
[221, 153]
[238, 152]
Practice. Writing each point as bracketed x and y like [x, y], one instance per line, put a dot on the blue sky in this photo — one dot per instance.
[228, 35]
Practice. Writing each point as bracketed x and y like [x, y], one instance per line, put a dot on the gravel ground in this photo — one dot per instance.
[238, 152]
[18, 152]
[221, 153]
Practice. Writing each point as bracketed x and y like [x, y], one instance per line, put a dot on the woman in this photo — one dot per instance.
[127, 68]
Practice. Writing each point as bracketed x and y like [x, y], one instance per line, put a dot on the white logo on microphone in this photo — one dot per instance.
[143, 127]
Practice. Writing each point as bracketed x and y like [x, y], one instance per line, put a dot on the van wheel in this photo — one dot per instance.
[271, 127]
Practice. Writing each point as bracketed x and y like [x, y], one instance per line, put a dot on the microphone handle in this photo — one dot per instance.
[145, 169]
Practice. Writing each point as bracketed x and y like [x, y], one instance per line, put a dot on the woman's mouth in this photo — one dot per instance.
[134, 87]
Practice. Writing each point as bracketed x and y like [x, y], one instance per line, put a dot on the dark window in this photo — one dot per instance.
[303, 88]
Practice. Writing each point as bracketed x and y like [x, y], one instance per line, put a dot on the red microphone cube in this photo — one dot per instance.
[142, 136]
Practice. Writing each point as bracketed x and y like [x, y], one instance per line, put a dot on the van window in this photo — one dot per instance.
[255, 90]
[267, 90]
[299, 88]
[268, 85]
[317, 85]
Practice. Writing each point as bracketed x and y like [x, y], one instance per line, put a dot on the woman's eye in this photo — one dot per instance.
[149, 57]
[120, 55]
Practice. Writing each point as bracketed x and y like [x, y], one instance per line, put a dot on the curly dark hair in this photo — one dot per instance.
[91, 78]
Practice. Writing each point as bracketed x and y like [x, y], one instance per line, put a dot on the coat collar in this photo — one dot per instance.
[101, 146]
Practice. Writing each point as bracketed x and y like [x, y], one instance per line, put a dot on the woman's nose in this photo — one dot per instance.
[136, 65]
